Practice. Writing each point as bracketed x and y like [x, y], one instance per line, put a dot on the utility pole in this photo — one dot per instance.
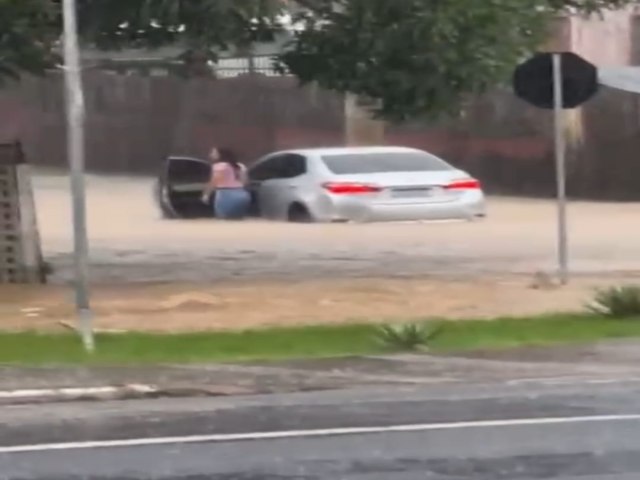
[76, 155]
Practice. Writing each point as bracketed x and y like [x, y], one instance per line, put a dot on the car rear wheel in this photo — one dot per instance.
[298, 213]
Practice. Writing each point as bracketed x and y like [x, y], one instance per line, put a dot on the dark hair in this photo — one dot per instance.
[229, 156]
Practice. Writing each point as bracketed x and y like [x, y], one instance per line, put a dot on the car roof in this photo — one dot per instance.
[347, 150]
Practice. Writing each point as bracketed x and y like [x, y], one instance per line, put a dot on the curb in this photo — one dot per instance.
[25, 396]
[110, 393]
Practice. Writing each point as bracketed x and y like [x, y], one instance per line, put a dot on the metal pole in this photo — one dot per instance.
[76, 153]
[560, 149]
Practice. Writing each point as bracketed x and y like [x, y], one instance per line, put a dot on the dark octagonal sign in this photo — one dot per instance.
[533, 80]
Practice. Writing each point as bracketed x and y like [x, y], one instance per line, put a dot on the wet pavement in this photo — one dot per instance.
[462, 432]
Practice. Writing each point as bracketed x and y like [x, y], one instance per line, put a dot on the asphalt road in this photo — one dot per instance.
[485, 432]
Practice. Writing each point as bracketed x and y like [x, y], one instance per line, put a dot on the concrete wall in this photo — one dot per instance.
[135, 122]
[603, 40]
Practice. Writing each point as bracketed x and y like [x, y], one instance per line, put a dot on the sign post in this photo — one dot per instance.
[561, 170]
[557, 81]
[76, 154]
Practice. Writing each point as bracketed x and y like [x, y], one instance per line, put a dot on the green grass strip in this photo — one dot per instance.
[30, 348]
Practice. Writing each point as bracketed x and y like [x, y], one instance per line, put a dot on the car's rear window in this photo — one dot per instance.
[355, 163]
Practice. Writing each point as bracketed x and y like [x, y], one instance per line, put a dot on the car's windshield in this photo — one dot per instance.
[356, 163]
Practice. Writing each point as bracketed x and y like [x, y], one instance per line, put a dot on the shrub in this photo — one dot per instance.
[618, 302]
[406, 337]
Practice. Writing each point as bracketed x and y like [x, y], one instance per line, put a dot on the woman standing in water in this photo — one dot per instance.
[228, 181]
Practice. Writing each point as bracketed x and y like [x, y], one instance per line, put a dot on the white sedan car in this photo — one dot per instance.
[359, 184]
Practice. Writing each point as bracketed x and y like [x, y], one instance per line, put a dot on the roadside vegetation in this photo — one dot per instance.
[617, 302]
[408, 336]
[30, 348]
[613, 313]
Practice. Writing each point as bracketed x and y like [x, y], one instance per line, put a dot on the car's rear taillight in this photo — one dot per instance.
[464, 184]
[348, 188]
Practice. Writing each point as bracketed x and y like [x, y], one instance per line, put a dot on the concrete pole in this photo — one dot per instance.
[361, 129]
[76, 154]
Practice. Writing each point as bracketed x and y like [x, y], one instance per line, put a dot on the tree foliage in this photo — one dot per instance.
[28, 32]
[416, 57]
[201, 24]
[201, 27]
[588, 6]
[29, 29]
[420, 57]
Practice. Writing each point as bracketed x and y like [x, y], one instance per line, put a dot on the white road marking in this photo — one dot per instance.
[329, 432]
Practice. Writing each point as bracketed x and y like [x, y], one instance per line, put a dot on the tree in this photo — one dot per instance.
[588, 6]
[28, 31]
[201, 27]
[420, 57]
[414, 57]
[198, 23]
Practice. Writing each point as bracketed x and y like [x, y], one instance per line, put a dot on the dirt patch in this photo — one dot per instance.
[190, 307]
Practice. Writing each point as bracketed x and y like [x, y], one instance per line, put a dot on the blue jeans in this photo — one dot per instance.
[231, 203]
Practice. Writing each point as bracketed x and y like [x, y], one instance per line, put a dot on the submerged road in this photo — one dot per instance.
[488, 432]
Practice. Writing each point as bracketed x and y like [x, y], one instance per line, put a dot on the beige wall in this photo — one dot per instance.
[603, 40]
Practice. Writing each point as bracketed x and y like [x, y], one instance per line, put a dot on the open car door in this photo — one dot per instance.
[180, 188]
